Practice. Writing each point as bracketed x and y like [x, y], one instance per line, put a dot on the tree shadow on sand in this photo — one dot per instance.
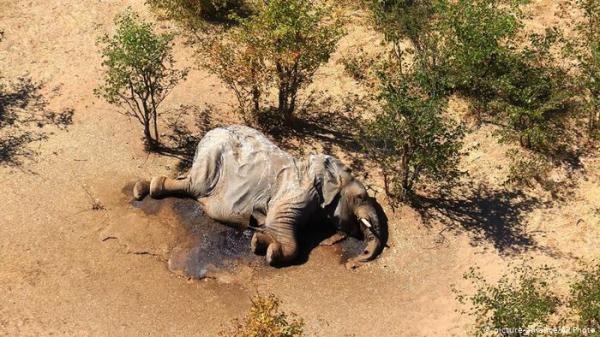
[319, 126]
[491, 215]
[182, 140]
[24, 115]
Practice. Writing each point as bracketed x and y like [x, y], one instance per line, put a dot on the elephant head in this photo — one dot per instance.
[346, 202]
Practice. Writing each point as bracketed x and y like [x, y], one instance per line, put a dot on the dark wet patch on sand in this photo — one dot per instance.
[148, 205]
[211, 247]
[350, 248]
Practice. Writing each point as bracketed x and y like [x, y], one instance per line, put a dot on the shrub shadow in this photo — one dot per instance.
[490, 215]
[24, 114]
[181, 140]
[322, 126]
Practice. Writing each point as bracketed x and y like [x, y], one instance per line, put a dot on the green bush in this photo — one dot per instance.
[528, 168]
[139, 71]
[520, 301]
[411, 139]
[265, 319]
[476, 38]
[586, 49]
[514, 82]
[400, 19]
[478, 50]
[280, 48]
[534, 99]
[585, 298]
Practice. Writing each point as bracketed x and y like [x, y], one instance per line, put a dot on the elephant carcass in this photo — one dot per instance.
[243, 179]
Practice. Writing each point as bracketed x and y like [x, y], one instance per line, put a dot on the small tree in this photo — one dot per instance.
[139, 71]
[239, 61]
[410, 138]
[265, 319]
[282, 45]
[533, 97]
[510, 77]
[477, 49]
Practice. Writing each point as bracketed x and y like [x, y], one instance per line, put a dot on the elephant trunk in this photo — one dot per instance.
[373, 233]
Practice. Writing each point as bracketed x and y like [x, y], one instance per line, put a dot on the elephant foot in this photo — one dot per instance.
[258, 245]
[274, 254]
[141, 189]
[279, 254]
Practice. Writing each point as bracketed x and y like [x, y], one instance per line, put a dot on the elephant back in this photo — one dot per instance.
[237, 171]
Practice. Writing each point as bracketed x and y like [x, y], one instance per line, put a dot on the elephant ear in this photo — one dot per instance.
[330, 188]
[335, 176]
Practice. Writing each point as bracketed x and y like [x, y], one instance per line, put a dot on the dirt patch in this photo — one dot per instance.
[58, 278]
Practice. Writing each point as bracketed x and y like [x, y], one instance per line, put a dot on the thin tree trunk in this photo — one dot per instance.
[282, 99]
[147, 121]
[256, 99]
[405, 170]
[292, 103]
[154, 111]
[147, 133]
[156, 136]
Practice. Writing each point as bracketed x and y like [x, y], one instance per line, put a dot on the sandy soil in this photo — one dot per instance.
[66, 269]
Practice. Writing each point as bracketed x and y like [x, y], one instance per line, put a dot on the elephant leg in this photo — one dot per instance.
[259, 243]
[160, 187]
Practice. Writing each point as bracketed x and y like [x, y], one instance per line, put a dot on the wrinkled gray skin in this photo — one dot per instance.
[243, 179]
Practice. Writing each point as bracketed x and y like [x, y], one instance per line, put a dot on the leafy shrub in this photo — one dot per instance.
[238, 60]
[400, 19]
[139, 71]
[585, 298]
[528, 168]
[193, 14]
[278, 48]
[477, 49]
[515, 82]
[521, 301]
[535, 99]
[410, 138]
[476, 37]
[266, 320]
[586, 49]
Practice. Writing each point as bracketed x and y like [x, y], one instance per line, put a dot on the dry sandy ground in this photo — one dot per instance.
[68, 270]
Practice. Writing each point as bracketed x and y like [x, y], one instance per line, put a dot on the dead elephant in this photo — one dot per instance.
[243, 179]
